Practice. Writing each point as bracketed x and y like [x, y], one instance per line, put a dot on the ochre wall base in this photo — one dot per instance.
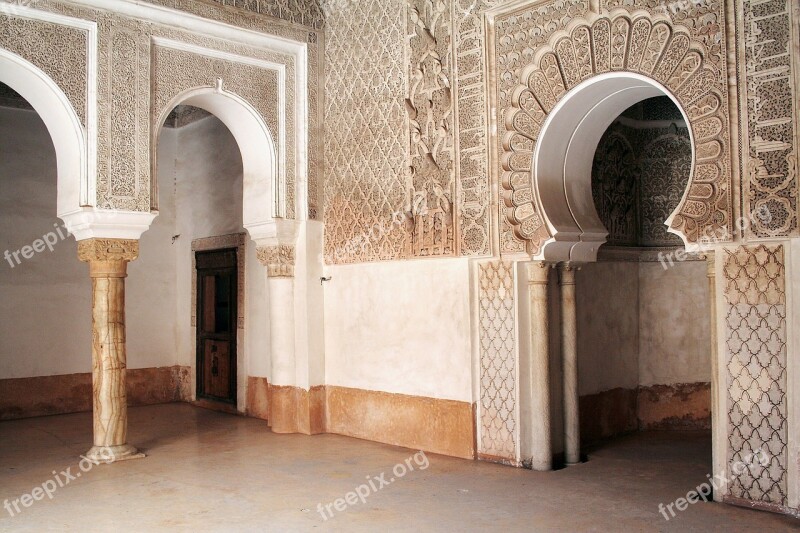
[72, 393]
[685, 406]
[429, 424]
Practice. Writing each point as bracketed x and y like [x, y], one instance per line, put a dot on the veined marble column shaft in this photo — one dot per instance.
[569, 348]
[108, 261]
[541, 443]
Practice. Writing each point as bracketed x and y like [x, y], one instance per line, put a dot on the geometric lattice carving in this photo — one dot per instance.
[755, 294]
[498, 373]
[366, 145]
[650, 45]
[769, 102]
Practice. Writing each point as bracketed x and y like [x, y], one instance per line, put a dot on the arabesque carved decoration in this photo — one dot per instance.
[430, 106]
[651, 45]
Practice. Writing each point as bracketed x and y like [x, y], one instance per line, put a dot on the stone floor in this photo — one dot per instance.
[209, 471]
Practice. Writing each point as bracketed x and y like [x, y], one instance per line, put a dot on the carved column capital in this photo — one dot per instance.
[278, 259]
[539, 273]
[108, 258]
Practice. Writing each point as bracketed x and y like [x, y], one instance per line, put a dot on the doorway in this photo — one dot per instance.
[217, 319]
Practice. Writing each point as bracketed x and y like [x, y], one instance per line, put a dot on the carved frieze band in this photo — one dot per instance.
[769, 100]
[647, 44]
[430, 106]
[279, 260]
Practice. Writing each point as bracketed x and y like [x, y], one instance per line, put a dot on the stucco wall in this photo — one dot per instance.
[675, 336]
[46, 322]
[45, 319]
[641, 324]
[607, 298]
[400, 327]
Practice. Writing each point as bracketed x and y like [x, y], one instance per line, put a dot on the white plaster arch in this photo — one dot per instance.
[562, 162]
[259, 154]
[65, 128]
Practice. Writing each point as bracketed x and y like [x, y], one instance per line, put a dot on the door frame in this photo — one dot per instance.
[232, 335]
[235, 241]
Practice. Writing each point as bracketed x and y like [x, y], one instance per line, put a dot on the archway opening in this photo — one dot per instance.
[564, 158]
[644, 340]
[45, 322]
[198, 269]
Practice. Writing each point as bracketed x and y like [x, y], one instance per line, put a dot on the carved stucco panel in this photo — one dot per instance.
[516, 36]
[60, 51]
[236, 17]
[654, 46]
[367, 134]
[769, 101]
[756, 372]
[123, 144]
[497, 411]
[261, 17]
[176, 71]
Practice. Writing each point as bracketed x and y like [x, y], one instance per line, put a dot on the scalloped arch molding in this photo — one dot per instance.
[650, 48]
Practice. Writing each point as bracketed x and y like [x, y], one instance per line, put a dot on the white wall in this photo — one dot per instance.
[675, 333]
[639, 324]
[400, 327]
[607, 299]
[150, 290]
[45, 317]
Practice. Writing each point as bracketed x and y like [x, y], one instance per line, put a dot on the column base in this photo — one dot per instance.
[113, 454]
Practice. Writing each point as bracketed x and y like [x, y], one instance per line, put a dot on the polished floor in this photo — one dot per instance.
[208, 471]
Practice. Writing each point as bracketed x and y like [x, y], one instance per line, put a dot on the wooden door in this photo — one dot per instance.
[217, 290]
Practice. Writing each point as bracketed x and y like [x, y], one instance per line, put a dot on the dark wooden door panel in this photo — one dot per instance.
[217, 278]
[217, 368]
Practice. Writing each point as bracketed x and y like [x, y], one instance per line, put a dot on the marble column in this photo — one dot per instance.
[569, 348]
[719, 436]
[284, 413]
[541, 442]
[108, 261]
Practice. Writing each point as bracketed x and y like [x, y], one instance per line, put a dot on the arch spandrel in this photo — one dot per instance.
[646, 45]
